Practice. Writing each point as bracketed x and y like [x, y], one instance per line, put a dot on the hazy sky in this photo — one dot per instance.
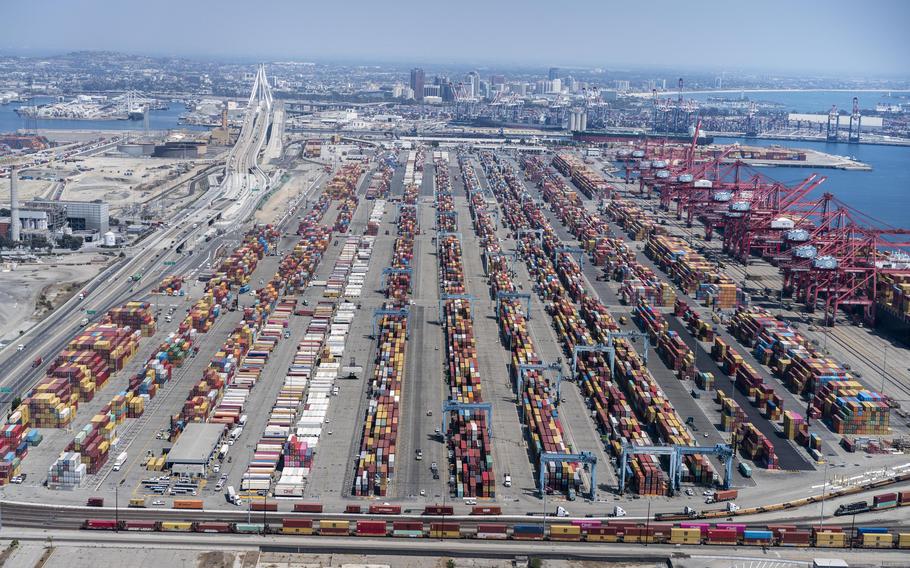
[859, 37]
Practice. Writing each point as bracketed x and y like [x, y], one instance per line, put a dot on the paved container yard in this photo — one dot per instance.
[424, 389]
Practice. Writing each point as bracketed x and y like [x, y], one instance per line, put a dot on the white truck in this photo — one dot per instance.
[618, 512]
[231, 495]
[121, 459]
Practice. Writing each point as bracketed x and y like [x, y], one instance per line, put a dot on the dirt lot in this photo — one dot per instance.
[28, 292]
[300, 180]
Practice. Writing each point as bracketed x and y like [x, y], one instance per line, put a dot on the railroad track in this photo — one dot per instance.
[869, 359]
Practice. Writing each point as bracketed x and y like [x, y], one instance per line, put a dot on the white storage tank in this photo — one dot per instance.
[110, 239]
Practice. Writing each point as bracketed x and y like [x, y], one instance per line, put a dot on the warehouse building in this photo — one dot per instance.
[79, 215]
[194, 449]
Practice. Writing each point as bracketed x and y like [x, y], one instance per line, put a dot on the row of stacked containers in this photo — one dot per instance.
[316, 366]
[241, 358]
[583, 176]
[74, 376]
[545, 431]
[91, 444]
[375, 464]
[381, 182]
[620, 263]
[649, 413]
[837, 397]
[848, 407]
[471, 463]
[690, 270]
[294, 274]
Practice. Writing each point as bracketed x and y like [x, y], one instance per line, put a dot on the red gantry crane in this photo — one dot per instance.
[840, 260]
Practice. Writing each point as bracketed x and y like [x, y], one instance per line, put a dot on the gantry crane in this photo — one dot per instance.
[453, 405]
[586, 458]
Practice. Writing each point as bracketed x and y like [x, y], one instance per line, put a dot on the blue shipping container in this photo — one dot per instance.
[871, 530]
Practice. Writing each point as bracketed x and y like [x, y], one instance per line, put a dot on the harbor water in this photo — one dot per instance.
[807, 101]
[882, 193]
[158, 120]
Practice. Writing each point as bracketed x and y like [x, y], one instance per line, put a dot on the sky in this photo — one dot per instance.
[861, 38]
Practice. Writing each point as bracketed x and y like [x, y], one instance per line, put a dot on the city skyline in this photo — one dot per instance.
[713, 37]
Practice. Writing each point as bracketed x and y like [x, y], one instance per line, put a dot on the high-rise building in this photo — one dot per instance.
[553, 74]
[431, 91]
[417, 82]
[472, 84]
[497, 80]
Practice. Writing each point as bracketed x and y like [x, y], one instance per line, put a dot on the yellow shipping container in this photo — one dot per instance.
[685, 536]
[878, 541]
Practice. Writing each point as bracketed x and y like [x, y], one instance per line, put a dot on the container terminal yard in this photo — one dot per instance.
[468, 340]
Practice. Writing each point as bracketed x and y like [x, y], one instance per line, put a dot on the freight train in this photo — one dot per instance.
[879, 503]
[690, 533]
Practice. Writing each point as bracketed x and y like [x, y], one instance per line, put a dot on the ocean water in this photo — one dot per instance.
[882, 193]
[812, 101]
[158, 120]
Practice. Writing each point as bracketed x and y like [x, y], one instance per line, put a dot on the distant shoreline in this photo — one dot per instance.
[709, 91]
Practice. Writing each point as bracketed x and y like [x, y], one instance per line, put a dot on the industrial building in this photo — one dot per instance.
[184, 149]
[79, 215]
[194, 449]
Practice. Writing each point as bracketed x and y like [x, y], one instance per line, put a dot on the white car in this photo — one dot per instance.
[157, 503]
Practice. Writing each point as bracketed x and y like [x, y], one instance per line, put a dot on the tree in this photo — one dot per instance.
[38, 243]
[71, 242]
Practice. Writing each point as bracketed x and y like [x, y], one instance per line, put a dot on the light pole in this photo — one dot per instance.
[884, 366]
[116, 505]
[648, 523]
[821, 515]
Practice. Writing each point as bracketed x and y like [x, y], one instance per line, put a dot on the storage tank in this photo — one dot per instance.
[573, 121]
[583, 121]
[110, 239]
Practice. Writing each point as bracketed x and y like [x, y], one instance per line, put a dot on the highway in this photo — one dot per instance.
[153, 257]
